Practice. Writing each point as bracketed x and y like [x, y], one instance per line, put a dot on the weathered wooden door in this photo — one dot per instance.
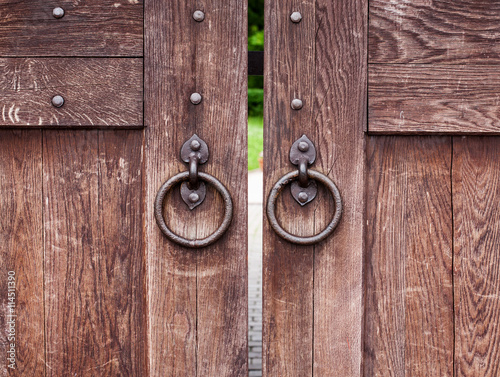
[97, 101]
[392, 92]
[99, 97]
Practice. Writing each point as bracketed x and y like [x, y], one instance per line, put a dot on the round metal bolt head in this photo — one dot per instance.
[57, 101]
[195, 98]
[198, 16]
[296, 104]
[296, 17]
[195, 145]
[303, 146]
[58, 12]
[303, 197]
[194, 197]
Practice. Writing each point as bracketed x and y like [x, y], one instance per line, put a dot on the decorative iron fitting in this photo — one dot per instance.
[194, 152]
[303, 154]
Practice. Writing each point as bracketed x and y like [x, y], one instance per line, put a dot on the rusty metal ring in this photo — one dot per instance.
[196, 244]
[280, 185]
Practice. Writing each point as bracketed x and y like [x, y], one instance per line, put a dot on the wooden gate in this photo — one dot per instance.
[105, 103]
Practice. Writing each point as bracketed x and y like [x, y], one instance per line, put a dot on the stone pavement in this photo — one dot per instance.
[255, 189]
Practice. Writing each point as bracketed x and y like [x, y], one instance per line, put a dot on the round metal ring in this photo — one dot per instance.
[280, 185]
[228, 216]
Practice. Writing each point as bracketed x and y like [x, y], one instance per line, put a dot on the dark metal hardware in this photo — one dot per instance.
[193, 192]
[57, 101]
[255, 63]
[303, 153]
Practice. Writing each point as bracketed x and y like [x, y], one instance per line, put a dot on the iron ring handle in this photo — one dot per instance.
[196, 243]
[280, 185]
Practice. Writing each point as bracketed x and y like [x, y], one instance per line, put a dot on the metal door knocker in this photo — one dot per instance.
[193, 191]
[303, 189]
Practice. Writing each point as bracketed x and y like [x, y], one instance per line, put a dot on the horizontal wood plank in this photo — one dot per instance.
[476, 194]
[88, 28]
[404, 99]
[438, 31]
[96, 92]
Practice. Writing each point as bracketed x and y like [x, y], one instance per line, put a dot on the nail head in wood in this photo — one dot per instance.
[195, 145]
[195, 98]
[297, 104]
[303, 197]
[303, 146]
[198, 16]
[58, 12]
[194, 197]
[57, 101]
[296, 17]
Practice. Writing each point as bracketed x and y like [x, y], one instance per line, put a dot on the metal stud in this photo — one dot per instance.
[57, 101]
[296, 17]
[303, 146]
[195, 145]
[195, 98]
[58, 12]
[303, 197]
[198, 16]
[194, 197]
[297, 104]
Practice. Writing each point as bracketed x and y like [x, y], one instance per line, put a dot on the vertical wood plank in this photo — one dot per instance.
[476, 194]
[339, 123]
[409, 294]
[287, 268]
[93, 256]
[169, 60]
[221, 78]
[21, 251]
[197, 298]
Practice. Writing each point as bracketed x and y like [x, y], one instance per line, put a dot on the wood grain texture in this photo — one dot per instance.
[97, 92]
[313, 295]
[476, 194]
[21, 251]
[287, 269]
[340, 122]
[94, 265]
[405, 99]
[409, 294]
[438, 31]
[197, 298]
[88, 28]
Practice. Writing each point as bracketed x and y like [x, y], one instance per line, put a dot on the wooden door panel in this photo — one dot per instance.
[88, 28]
[21, 253]
[476, 197]
[197, 298]
[312, 309]
[97, 92]
[93, 261]
[409, 324]
[437, 31]
[426, 99]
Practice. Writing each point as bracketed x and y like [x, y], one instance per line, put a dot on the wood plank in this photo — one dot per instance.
[94, 267]
[340, 122]
[476, 194]
[88, 28]
[409, 292]
[197, 298]
[406, 99]
[287, 269]
[221, 120]
[21, 251]
[440, 31]
[96, 92]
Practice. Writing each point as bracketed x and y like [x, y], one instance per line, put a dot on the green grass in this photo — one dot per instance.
[255, 141]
